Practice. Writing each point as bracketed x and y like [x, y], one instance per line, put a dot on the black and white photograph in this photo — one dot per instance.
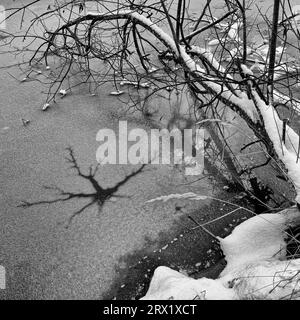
[149, 150]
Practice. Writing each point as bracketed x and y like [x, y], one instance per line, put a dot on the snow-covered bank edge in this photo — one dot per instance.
[257, 267]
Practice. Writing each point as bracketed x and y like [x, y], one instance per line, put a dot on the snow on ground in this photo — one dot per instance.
[256, 266]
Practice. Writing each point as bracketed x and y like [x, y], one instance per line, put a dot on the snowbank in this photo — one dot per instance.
[168, 284]
[256, 266]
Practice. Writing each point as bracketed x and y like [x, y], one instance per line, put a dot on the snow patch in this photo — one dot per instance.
[256, 266]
